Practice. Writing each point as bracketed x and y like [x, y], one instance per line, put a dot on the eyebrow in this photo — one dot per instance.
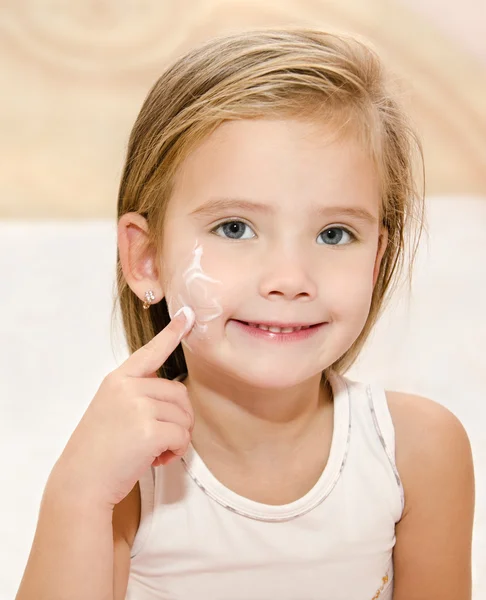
[215, 206]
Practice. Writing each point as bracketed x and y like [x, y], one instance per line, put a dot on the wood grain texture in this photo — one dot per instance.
[74, 76]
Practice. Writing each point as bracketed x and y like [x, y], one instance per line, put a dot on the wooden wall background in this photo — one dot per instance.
[74, 74]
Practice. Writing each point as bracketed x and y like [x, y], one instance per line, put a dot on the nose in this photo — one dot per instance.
[287, 276]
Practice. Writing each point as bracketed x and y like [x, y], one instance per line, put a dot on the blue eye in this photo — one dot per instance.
[235, 230]
[333, 236]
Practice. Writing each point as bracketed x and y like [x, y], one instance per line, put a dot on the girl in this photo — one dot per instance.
[267, 198]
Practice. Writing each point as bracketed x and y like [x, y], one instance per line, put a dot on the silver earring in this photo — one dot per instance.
[149, 298]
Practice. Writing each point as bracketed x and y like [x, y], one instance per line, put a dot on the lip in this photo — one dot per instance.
[294, 336]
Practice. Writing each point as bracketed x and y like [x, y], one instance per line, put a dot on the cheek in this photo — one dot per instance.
[201, 294]
[348, 293]
[194, 283]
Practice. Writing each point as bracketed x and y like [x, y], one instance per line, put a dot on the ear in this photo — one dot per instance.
[382, 244]
[137, 258]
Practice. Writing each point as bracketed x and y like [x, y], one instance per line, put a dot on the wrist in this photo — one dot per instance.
[64, 488]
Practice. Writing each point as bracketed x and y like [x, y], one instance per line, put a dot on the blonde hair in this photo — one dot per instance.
[293, 72]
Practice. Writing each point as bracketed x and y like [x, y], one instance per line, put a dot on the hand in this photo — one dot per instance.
[135, 420]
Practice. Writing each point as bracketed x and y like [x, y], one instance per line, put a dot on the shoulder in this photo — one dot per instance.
[425, 418]
[428, 438]
[411, 412]
[432, 553]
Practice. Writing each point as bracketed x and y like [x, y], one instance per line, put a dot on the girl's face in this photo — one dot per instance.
[272, 223]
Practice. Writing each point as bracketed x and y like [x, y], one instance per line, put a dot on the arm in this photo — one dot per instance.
[432, 556]
[72, 552]
[133, 421]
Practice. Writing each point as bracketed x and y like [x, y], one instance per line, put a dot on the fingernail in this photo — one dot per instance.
[189, 316]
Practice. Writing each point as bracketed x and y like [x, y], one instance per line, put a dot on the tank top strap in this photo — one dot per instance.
[380, 413]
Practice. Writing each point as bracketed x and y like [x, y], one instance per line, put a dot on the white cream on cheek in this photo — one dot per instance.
[200, 292]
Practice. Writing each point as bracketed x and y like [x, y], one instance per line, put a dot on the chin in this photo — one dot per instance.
[272, 377]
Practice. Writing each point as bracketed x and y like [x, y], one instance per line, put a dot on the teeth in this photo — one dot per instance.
[279, 329]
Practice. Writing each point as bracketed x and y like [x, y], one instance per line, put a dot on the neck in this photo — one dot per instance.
[243, 420]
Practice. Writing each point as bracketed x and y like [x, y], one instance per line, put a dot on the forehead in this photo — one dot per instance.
[276, 159]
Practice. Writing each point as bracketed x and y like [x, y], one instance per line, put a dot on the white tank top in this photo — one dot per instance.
[197, 539]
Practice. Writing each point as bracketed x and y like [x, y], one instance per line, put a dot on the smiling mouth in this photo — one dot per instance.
[280, 327]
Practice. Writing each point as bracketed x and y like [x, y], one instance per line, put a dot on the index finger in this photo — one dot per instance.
[149, 358]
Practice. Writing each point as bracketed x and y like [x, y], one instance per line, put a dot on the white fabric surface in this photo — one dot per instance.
[56, 291]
